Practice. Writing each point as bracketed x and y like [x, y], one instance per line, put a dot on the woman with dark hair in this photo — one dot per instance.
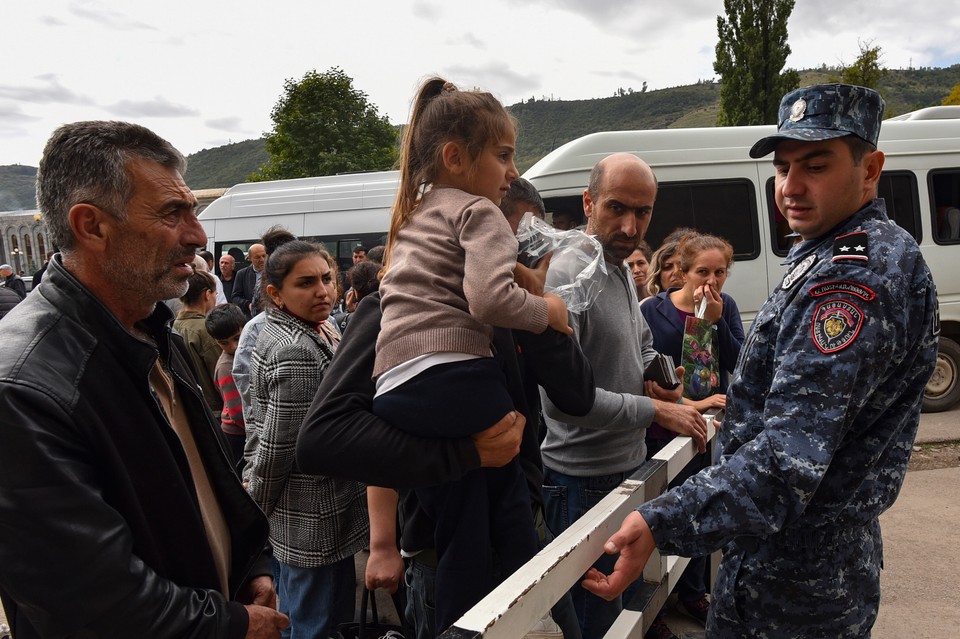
[317, 523]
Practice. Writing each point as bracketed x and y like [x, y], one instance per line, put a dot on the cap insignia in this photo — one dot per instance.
[798, 110]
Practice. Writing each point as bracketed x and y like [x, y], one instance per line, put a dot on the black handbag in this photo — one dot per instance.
[369, 629]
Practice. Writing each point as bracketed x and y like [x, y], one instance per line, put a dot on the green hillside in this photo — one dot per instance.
[17, 187]
[225, 165]
[547, 124]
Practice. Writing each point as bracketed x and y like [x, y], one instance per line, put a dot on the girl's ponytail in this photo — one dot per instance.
[440, 114]
[414, 167]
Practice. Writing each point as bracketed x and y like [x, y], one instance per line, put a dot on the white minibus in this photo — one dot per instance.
[707, 181]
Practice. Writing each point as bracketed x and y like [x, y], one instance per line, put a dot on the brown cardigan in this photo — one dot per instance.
[450, 280]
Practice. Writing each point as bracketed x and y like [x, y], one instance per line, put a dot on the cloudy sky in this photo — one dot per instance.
[204, 73]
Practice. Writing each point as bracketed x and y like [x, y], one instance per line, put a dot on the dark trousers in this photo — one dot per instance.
[487, 508]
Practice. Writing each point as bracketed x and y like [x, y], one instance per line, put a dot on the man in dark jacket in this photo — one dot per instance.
[246, 285]
[8, 299]
[121, 514]
[12, 281]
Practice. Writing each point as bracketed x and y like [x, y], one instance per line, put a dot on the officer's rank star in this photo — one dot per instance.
[852, 246]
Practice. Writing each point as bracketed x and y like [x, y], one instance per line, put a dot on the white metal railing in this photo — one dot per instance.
[525, 596]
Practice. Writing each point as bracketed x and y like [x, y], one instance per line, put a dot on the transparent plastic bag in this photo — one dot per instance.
[574, 251]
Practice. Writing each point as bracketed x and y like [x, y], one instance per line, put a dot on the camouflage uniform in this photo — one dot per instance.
[821, 419]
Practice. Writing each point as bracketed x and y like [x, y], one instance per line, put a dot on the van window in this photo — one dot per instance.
[726, 208]
[340, 248]
[897, 188]
[944, 188]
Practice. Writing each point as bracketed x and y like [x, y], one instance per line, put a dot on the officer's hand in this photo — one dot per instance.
[265, 623]
[501, 442]
[635, 543]
[682, 419]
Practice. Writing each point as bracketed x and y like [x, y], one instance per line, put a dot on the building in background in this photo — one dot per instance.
[23, 240]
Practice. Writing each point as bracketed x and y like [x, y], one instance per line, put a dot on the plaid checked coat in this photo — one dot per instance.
[314, 520]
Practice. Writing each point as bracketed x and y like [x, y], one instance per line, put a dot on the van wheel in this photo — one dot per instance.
[943, 389]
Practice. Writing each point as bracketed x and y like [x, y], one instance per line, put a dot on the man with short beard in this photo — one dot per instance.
[586, 457]
[121, 513]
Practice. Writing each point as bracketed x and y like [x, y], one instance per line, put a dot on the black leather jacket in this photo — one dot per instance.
[101, 528]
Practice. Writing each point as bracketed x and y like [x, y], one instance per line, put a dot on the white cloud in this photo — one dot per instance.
[157, 108]
[201, 74]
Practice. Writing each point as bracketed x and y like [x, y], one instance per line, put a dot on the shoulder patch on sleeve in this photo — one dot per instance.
[852, 246]
[853, 288]
[836, 323]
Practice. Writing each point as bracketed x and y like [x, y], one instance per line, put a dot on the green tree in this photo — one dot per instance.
[322, 125]
[954, 97]
[751, 52]
[866, 70]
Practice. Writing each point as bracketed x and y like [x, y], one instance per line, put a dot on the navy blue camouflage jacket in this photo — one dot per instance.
[825, 402]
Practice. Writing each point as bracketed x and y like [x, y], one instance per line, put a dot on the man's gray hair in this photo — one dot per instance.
[85, 163]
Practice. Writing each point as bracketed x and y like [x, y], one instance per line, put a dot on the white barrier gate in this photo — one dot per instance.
[523, 598]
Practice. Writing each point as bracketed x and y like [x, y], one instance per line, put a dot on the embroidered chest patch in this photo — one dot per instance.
[852, 246]
[836, 323]
[798, 271]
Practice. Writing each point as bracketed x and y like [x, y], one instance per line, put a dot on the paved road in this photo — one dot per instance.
[938, 427]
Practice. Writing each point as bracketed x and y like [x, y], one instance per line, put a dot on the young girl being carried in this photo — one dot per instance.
[448, 281]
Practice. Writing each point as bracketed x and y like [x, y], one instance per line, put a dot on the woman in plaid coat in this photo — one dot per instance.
[317, 523]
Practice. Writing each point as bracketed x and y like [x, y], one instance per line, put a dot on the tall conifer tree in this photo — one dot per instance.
[751, 52]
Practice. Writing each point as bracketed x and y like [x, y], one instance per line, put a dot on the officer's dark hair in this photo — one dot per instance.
[199, 282]
[224, 320]
[859, 148]
[206, 255]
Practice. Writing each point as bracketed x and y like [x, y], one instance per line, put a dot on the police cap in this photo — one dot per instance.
[824, 112]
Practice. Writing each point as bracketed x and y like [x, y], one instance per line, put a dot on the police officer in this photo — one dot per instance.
[825, 404]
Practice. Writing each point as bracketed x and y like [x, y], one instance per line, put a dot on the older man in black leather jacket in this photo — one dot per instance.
[120, 512]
